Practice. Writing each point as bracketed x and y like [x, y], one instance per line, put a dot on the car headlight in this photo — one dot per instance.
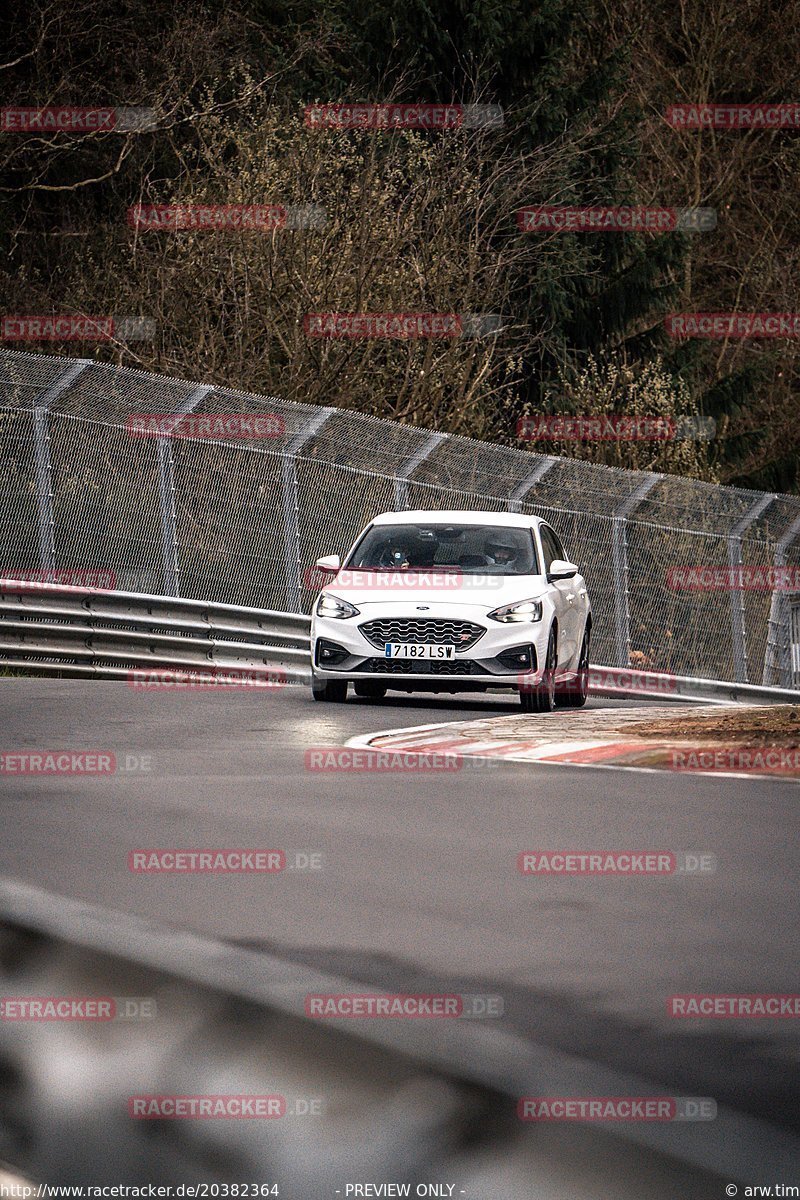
[333, 606]
[524, 611]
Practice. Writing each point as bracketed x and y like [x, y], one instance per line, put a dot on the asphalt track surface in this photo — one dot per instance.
[418, 890]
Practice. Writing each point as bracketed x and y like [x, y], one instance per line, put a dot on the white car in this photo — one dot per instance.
[449, 602]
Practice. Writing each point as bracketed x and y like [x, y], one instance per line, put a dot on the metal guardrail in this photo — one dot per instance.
[86, 631]
[617, 682]
[47, 628]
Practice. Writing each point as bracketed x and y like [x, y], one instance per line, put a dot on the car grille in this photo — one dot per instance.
[405, 666]
[461, 634]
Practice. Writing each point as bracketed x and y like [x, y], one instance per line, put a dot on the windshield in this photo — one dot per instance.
[471, 549]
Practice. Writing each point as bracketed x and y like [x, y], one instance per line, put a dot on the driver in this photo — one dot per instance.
[394, 555]
[500, 553]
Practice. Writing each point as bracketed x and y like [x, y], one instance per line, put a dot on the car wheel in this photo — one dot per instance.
[575, 693]
[370, 689]
[542, 697]
[334, 690]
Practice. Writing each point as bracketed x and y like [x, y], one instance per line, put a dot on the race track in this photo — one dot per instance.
[418, 888]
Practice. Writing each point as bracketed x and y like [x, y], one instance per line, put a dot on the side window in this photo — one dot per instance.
[551, 546]
[558, 545]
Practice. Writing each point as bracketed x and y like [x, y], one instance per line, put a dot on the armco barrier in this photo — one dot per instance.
[625, 684]
[50, 628]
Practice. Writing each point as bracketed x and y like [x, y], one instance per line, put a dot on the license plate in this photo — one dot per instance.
[418, 650]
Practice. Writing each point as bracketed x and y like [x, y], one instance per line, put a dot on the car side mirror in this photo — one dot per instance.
[330, 563]
[561, 569]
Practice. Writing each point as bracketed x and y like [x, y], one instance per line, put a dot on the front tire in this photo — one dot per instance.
[542, 697]
[332, 690]
[576, 692]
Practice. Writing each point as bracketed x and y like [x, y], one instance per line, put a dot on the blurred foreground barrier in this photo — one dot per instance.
[403, 1101]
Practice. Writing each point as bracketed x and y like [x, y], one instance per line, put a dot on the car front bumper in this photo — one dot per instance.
[502, 654]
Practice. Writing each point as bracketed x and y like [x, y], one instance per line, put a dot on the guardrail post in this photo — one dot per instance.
[409, 467]
[738, 624]
[291, 509]
[166, 495]
[619, 547]
[538, 473]
[777, 654]
[794, 644]
[44, 472]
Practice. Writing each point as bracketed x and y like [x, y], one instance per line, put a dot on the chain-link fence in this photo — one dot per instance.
[242, 519]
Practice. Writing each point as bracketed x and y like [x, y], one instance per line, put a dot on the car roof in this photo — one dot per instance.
[457, 516]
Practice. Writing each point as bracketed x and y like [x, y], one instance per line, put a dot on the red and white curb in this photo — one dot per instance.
[445, 739]
[453, 738]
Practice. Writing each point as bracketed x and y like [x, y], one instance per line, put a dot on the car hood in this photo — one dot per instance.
[397, 588]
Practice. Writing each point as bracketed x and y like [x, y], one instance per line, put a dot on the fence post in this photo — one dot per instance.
[622, 612]
[409, 467]
[44, 472]
[291, 511]
[545, 464]
[738, 624]
[777, 655]
[166, 495]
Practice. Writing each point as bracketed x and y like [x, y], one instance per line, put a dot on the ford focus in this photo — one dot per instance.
[449, 602]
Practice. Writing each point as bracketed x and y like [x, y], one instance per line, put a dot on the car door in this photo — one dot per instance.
[566, 595]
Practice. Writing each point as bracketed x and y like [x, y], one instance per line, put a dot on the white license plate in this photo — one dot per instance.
[418, 650]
